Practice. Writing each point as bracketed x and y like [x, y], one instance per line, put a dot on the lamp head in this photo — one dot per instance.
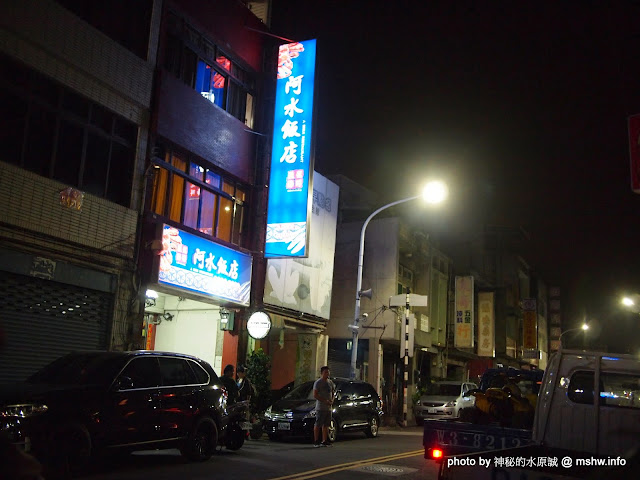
[435, 192]
[585, 327]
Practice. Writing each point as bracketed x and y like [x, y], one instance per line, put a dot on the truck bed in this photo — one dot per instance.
[454, 437]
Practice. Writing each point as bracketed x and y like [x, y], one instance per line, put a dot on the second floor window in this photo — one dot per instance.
[203, 66]
[52, 131]
[188, 193]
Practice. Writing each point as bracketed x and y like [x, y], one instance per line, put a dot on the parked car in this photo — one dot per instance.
[277, 394]
[90, 402]
[356, 407]
[444, 399]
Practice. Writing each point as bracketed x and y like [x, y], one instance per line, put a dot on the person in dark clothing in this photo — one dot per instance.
[229, 384]
[245, 388]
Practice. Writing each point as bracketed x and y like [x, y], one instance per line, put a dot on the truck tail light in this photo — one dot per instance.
[436, 454]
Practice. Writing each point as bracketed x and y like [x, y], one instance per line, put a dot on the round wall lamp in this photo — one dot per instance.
[259, 325]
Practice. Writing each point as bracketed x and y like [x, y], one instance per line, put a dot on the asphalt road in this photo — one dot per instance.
[396, 453]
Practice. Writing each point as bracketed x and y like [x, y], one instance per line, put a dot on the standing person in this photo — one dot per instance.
[323, 392]
[230, 384]
[245, 388]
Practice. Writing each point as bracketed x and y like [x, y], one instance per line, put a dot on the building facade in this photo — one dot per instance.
[76, 88]
[203, 221]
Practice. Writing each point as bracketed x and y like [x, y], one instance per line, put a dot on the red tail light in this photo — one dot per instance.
[436, 453]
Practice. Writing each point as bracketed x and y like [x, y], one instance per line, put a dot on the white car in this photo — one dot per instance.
[444, 400]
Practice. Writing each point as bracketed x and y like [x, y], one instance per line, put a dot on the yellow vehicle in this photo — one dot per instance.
[507, 396]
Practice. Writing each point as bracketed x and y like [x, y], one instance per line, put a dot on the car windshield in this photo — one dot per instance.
[444, 389]
[80, 369]
[301, 392]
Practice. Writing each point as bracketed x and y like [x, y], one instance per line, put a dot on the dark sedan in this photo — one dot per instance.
[356, 407]
[88, 402]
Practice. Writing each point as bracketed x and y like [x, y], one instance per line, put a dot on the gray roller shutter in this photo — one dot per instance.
[43, 320]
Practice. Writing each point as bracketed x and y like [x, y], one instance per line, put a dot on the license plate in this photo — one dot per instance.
[432, 410]
[284, 426]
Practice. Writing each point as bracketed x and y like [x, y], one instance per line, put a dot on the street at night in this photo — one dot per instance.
[397, 453]
[365, 224]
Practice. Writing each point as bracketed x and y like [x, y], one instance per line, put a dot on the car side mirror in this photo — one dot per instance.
[124, 383]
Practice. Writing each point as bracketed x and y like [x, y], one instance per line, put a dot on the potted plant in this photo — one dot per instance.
[258, 370]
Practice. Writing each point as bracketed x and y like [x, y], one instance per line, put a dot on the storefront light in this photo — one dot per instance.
[150, 298]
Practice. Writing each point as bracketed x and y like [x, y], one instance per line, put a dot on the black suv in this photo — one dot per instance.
[87, 402]
[356, 407]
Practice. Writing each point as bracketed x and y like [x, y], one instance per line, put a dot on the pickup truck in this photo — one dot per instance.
[445, 437]
[586, 425]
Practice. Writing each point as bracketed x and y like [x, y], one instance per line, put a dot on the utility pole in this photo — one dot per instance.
[405, 380]
[408, 334]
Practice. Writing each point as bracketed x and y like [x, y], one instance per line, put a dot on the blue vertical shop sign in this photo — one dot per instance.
[291, 182]
[204, 267]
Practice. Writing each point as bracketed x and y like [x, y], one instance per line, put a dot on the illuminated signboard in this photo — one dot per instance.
[463, 332]
[199, 265]
[304, 284]
[290, 182]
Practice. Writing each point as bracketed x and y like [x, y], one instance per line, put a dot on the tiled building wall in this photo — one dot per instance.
[52, 40]
[32, 204]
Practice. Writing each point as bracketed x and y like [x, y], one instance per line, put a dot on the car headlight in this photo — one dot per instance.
[267, 413]
[452, 403]
[23, 410]
[310, 414]
[418, 402]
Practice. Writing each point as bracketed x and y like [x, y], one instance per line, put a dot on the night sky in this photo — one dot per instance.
[521, 107]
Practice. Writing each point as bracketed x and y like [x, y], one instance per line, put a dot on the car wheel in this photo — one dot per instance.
[332, 435]
[71, 451]
[202, 440]
[372, 429]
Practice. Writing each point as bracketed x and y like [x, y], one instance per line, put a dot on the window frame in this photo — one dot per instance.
[603, 401]
[62, 115]
[183, 40]
[240, 214]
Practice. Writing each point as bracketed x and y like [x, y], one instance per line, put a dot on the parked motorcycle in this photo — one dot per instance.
[238, 426]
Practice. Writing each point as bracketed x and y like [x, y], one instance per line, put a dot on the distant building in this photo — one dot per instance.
[397, 259]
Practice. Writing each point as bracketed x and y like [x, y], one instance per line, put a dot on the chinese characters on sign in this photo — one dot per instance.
[486, 325]
[290, 182]
[464, 313]
[529, 324]
[193, 263]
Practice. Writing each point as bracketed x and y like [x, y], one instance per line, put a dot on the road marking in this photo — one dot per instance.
[349, 465]
[386, 470]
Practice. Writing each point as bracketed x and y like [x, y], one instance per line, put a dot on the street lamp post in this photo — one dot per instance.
[584, 327]
[434, 192]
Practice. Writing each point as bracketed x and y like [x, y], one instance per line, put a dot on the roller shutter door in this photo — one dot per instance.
[43, 320]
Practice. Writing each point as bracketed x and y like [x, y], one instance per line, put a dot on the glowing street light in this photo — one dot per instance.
[628, 302]
[584, 327]
[434, 192]
[631, 302]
